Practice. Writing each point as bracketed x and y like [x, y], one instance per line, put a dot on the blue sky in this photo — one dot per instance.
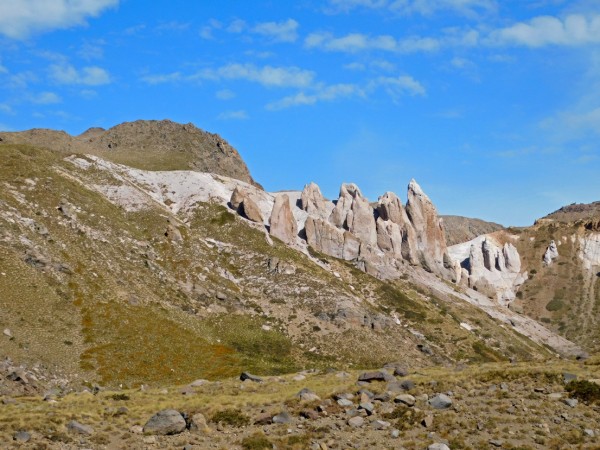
[493, 106]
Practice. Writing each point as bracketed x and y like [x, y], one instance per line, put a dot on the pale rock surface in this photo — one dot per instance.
[430, 238]
[313, 202]
[589, 251]
[551, 253]
[326, 238]
[488, 268]
[282, 221]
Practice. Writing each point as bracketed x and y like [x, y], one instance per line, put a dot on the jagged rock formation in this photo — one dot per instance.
[282, 221]
[551, 253]
[313, 203]
[491, 269]
[145, 144]
[431, 240]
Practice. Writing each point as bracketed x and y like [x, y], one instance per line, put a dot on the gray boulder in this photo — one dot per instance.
[79, 428]
[248, 376]
[165, 422]
[440, 401]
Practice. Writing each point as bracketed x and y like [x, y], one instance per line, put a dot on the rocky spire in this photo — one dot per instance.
[282, 221]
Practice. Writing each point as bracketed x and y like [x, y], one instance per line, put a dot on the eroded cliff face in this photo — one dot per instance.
[380, 239]
[489, 267]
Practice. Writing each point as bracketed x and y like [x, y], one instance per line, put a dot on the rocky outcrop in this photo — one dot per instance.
[242, 202]
[489, 268]
[282, 221]
[326, 238]
[551, 253]
[312, 201]
[382, 238]
[430, 238]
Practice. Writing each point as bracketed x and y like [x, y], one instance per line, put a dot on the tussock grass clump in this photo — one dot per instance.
[405, 418]
[584, 390]
[232, 417]
[257, 441]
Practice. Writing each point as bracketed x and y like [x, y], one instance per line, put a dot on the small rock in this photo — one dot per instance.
[589, 432]
[375, 376]
[136, 429]
[306, 395]
[440, 401]
[427, 422]
[22, 436]
[425, 349]
[79, 428]
[368, 407]
[572, 402]
[282, 417]
[247, 376]
[504, 386]
[165, 422]
[555, 396]
[438, 446]
[356, 422]
[149, 440]
[8, 333]
[380, 424]
[395, 433]
[496, 442]
[198, 383]
[344, 403]
[405, 399]
[539, 390]
[198, 424]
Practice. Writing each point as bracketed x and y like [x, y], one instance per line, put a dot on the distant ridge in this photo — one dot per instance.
[462, 229]
[145, 144]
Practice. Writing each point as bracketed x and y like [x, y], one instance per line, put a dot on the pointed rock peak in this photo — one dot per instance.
[351, 189]
[414, 187]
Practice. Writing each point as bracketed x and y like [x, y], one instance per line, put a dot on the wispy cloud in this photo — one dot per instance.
[268, 76]
[423, 7]
[233, 115]
[45, 98]
[20, 19]
[395, 87]
[326, 93]
[225, 94]
[286, 31]
[358, 42]
[67, 74]
[572, 30]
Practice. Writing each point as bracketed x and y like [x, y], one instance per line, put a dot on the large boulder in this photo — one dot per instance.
[282, 221]
[165, 422]
[241, 200]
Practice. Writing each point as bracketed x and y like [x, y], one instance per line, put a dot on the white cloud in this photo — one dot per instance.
[233, 115]
[67, 74]
[574, 124]
[574, 29]
[424, 7]
[325, 93]
[21, 18]
[225, 94]
[398, 86]
[267, 75]
[286, 31]
[356, 42]
[45, 98]
[237, 26]
[162, 78]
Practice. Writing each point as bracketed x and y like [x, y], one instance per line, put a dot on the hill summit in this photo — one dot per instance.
[145, 144]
